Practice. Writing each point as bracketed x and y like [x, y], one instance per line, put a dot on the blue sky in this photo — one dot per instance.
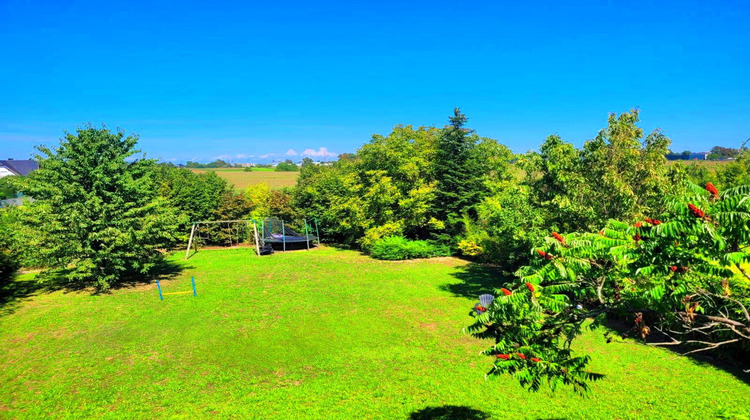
[200, 80]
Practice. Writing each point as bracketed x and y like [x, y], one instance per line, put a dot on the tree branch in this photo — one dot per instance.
[744, 309]
[742, 271]
[709, 345]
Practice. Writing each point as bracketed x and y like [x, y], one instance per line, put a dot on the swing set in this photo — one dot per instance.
[263, 233]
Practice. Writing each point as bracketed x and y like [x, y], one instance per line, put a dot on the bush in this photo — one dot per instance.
[8, 258]
[373, 235]
[287, 166]
[400, 248]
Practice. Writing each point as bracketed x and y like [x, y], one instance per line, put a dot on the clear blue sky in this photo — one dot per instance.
[198, 80]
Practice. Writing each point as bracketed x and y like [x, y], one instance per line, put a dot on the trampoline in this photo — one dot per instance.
[275, 231]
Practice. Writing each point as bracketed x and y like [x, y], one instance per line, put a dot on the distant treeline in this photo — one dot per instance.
[716, 153]
[285, 166]
[220, 164]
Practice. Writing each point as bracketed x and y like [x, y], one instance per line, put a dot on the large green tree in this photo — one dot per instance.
[620, 174]
[98, 208]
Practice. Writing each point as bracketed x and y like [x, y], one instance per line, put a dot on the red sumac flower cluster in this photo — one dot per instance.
[558, 237]
[544, 255]
[678, 270]
[506, 292]
[530, 286]
[503, 356]
[695, 211]
[712, 189]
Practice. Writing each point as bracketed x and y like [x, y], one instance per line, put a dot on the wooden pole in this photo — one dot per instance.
[257, 242]
[190, 242]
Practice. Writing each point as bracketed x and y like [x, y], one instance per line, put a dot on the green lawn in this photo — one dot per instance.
[319, 334]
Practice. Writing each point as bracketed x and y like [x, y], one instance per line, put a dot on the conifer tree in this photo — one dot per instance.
[457, 188]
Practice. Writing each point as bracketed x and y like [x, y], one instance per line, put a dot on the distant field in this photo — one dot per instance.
[710, 164]
[241, 179]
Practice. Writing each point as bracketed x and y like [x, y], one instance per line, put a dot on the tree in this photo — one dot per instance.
[387, 188]
[721, 153]
[679, 277]
[99, 209]
[232, 206]
[617, 175]
[287, 166]
[7, 188]
[196, 197]
[459, 187]
[307, 162]
[218, 164]
[9, 258]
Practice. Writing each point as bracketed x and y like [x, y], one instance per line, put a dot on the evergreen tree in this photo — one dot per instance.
[458, 186]
[98, 210]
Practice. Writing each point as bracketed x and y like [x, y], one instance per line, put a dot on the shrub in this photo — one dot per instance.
[287, 166]
[376, 234]
[400, 248]
[8, 258]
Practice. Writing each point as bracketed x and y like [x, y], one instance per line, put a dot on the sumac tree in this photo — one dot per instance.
[678, 278]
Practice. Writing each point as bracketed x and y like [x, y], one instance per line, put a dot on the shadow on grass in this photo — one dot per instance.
[449, 412]
[476, 279]
[17, 289]
[733, 360]
[13, 290]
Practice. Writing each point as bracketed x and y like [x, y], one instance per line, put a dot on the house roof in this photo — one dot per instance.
[20, 167]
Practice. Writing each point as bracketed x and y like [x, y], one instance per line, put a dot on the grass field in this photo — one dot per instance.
[710, 164]
[319, 334]
[241, 179]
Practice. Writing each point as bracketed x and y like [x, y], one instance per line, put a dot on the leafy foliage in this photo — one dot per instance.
[98, 212]
[196, 197]
[233, 206]
[618, 175]
[507, 226]
[390, 187]
[679, 275]
[7, 189]
[399, 248]
[388, 182]
[287, 166]
[459, 185]
[9, 259]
